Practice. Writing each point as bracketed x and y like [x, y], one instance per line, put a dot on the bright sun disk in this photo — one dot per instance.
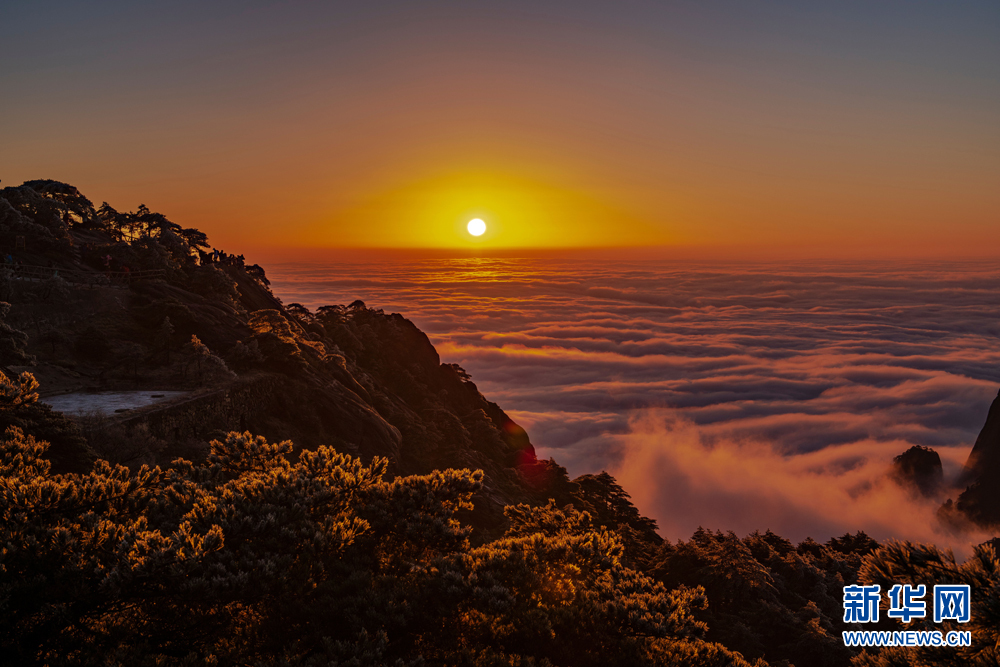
[476, 227]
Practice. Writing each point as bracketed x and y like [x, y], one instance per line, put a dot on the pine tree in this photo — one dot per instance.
[927, 565]
[164, 336]
[207, 361]
[249, 557]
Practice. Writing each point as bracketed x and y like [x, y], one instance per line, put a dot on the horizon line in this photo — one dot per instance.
[672, 252]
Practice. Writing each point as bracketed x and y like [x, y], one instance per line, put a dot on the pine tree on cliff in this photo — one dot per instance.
[207, 362]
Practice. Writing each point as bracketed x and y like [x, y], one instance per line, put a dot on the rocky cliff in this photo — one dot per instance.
[104, 300]
[980, 501]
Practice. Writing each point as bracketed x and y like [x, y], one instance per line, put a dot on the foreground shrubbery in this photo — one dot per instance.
[250, 558]
[928, 565]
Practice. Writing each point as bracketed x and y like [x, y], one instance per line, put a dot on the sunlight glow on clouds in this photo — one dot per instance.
[683, 483]
[642, 366]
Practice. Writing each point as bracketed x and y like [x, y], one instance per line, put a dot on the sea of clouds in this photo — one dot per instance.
[737, 396]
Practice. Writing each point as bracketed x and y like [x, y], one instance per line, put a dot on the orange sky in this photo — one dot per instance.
[815, 130]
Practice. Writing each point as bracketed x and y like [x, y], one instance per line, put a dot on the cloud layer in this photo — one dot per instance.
[807, 379]
[684, 482]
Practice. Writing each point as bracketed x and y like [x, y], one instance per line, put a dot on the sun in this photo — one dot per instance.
[476, 227]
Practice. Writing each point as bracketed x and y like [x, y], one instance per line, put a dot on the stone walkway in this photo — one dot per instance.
[108, 402]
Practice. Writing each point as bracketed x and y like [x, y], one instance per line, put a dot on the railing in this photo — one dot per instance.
[113, 278]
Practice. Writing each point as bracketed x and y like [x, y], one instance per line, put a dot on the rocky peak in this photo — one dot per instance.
[919, 468]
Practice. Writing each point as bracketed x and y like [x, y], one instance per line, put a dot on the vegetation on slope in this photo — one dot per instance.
[249, 558]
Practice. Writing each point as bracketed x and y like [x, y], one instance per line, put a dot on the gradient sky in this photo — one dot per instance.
[837, 127]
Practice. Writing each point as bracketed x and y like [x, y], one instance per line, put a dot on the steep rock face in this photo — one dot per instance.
[364, 381]
[980, 502]
[442, 418]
